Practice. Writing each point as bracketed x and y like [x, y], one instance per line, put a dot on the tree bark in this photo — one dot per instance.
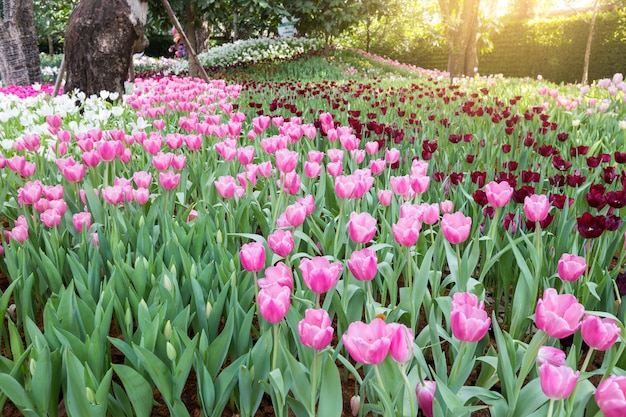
[190, 30]
[19, 53]
[100, 39]
[461, 20]
[592, 26]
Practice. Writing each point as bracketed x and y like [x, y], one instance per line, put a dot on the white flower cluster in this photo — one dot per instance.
[252, 50]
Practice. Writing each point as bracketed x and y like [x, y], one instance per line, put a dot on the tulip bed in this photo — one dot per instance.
[444, 249]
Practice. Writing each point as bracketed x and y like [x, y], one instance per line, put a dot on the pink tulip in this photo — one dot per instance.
[281, 242]
[81, 220]
[363, 264]
[361, 227]
[30, 193]
[252, 256]
[169, 179]
[319, 274]
[419, 183]
[312, 169]
[290, 182]
[109, 149]
[152, 145]
[245, 155]
[425, 391]
[90, 158]
[371, 147]
[141, 195]
[74, 173]
[446, 206]
[334, 168]
[368, 343]
[274, 302]
[265, 169]
[225, 186]
[278, 274]
[315, 329]
[53, 192]
[309, 204]
[456, 227]
[536, 207]
[50, 218]
[468, 320]
[419, 167]
[611, 396]
[406, 230]
[345, 186]
[401, 347]
[113, 194]
[571, 267]
[162, 161]
[598, 333]
[392, 155]
[385, 197]
[142, 179]
[159, 124]
[430, 213]
[335, 155]
[19, 233]
[401, 186]
[558, 315]
[295, 214]
[377, 166]
[315, 156]
[286, 160]
[179, 162]
[551, 355]
[557, 382]
[498, 193]
[58, 205]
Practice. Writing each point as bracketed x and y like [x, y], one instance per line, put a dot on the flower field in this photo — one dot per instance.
[442, 249]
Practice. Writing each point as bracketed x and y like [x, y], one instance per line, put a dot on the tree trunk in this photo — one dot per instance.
[100, 39]
[235, 25]
[368, 34]
[592, 26]
[19, 53]
[50, 45]
[190, 30]
[461, 34]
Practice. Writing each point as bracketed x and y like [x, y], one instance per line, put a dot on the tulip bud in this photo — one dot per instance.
[32, 365]
[208, 309]
[91, 397]
[218, 237]
[167, 283]
[128, 318]
[171, 351]
[355, 405]
[167, 331]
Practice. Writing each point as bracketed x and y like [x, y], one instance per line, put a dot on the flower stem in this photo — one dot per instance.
[314, 381]
[587, 359]
[275, 349]
[409, 390]
[551, 408]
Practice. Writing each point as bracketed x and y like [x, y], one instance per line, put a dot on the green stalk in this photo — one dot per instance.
[314, 381]
[275, 348]
[551, 407]
[409, 389]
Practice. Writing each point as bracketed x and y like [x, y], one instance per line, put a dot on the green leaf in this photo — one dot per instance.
[16, 393]
[158, 371]
[331, 402]
[138, 389]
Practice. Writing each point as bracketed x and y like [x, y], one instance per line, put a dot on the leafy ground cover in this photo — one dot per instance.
[314, 236]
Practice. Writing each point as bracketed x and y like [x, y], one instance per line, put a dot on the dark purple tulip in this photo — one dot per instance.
[616, 199]
[590, 226]
[561, 164]
[480, 197]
